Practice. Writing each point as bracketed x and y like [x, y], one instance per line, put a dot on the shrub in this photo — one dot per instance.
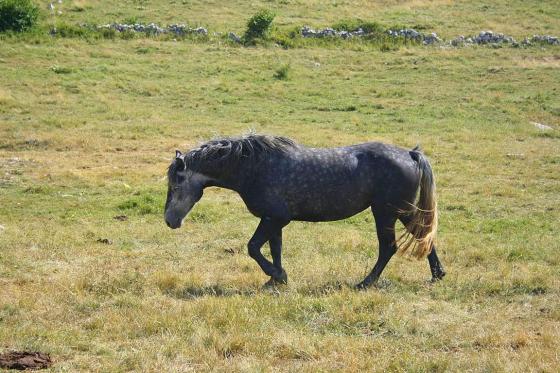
[284, 40]
[69, 31]
[258, 25]
[282, 72]
[17, 15]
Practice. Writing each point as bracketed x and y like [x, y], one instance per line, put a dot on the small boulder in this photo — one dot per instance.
[233, 37]
[542, 127]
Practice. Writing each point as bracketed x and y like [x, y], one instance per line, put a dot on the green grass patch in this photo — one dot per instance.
[142, 203]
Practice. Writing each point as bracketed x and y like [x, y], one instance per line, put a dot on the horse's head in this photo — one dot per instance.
[184, 190]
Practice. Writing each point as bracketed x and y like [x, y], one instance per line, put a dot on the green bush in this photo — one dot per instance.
[258, 25]
[70, 31]
[284, 40]
[282, 72]
[17, 15]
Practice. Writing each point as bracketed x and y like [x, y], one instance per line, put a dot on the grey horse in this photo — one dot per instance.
[281, 181]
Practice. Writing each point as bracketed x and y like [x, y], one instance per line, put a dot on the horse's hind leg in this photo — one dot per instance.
[435, 265]
[385, 224]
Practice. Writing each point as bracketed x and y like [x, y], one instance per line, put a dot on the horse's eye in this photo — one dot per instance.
[176, 188]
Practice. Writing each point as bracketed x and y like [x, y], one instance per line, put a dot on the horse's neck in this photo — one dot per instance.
[231, 178]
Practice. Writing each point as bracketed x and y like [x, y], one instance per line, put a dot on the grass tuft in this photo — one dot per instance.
[282, 73]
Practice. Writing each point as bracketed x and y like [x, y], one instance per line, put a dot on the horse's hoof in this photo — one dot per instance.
[362, 286]
[272, 284]
[282, 279]
[438, 276]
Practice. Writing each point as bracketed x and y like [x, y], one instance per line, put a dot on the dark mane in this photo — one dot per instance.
[229, 152]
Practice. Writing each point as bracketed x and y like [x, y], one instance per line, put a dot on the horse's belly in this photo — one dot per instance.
[326, 205]
[328, 215]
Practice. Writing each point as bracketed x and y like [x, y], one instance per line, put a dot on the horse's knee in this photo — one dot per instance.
[254, 249]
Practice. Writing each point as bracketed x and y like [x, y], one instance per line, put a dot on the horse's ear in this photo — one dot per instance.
[180, 159]
[180, 162]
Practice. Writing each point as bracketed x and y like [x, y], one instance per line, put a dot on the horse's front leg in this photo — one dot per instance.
[275, 242]
[268, 229]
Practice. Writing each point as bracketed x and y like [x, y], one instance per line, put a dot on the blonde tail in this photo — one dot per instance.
[421, 230]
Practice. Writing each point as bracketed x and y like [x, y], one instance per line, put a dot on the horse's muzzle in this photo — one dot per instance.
[174, 225]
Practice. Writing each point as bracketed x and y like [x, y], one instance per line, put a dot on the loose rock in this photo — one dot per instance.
[406, 33]
[153, 29]
[542, 127]
[458, 41]
[308, 32]
[489, 37]
[411, 34]
[431, 39]
[482, 38]
[547, 39]
[234, 37]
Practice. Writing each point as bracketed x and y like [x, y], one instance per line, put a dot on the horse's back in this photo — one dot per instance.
[317, 184]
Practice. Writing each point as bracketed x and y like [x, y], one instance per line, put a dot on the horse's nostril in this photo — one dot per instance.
[169, 225]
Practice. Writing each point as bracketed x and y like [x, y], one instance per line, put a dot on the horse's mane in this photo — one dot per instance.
[229, 152]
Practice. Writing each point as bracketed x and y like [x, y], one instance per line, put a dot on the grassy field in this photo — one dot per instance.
[88, 128]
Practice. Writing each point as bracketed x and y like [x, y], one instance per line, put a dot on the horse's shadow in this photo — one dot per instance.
[222, 291]
[193, 292]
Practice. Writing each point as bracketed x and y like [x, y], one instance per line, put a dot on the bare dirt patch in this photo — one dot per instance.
[541, 61]
[24, 360]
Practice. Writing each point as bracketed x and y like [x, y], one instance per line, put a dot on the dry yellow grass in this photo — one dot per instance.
[91, 139]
